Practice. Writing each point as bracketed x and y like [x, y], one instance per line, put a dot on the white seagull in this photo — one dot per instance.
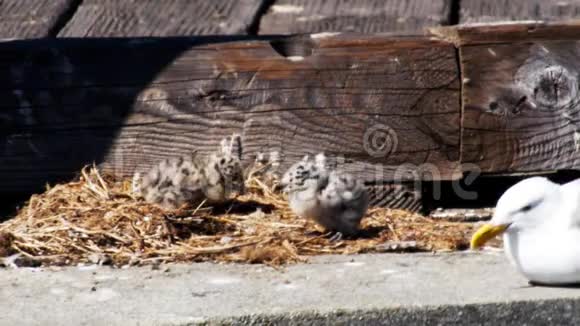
[540, 223]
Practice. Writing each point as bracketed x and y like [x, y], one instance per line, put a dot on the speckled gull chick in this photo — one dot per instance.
[333, 199]
[194, 178]
[540, 223]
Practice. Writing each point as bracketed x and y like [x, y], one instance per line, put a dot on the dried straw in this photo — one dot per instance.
[97, 219]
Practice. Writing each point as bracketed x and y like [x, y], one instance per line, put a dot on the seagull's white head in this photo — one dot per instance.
[522, 206]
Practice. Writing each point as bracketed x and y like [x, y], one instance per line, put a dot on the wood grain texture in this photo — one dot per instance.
[518, 10]
[367, 16]
[521, 106]
[383, 108]
[401, 196]
[502, 32]
[30, 18]
[109, 18]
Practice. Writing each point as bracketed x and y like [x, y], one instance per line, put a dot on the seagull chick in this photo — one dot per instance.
[540, 223]
[195, 178]
[333, 199]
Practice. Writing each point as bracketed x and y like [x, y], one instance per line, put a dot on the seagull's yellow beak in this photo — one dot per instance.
[486, 233]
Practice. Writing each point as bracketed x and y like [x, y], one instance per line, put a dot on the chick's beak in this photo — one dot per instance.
[486, 233]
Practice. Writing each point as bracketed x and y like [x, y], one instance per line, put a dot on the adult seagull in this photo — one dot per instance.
[540, 223]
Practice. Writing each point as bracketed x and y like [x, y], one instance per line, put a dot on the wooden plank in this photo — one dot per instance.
[518, 10]
[386, 108]
[521, 107]
[502, 32]
[401, 196]
[30, 18]
[109, 18]
[368, 16]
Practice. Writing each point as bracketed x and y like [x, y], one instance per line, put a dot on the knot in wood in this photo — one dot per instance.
[555, 86]
[510, 102]
[551, 86]
[293, 47]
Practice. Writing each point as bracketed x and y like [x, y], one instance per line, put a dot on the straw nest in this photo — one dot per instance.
[97, 219]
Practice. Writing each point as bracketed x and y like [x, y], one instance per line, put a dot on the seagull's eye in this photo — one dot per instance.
[527, 208]
[530, 206]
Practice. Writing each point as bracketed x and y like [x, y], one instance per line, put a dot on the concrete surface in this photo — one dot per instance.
[387, 289]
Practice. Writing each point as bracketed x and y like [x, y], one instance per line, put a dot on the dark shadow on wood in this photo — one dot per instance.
[10, 204]
[454, 12]
[254, 27]
[65, 100]
[64, 17]
[483, 191]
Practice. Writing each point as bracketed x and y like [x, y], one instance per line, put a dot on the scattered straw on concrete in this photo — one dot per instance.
[97, 219]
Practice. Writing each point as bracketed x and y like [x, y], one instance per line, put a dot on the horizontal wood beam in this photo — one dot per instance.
[506, 32]
[114, 18]
[518, 10]
[406, 196]
[521, 109]
[386, 107]
[409, 17]
[32, 18]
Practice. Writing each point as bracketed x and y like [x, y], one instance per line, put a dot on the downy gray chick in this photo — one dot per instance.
[333, 199]
[191, 179]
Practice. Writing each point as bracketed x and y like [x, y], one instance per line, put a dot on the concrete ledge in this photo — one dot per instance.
[537, 312]
[446, 289]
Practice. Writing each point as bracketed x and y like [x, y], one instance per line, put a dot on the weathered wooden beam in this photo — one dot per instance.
[518, 10]
[520, 97]
[111, 18]
[502, 32]
[409, 17]
[30, 18]
[401, 195]
[386, 108]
